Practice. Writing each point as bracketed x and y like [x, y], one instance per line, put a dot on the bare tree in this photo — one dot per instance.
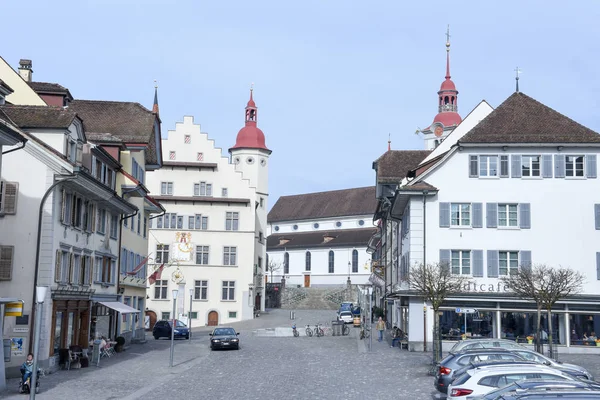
[274, 266]
[545, 286]
[435, 282]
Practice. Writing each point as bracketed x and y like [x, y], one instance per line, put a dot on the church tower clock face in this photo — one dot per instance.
[438, 131]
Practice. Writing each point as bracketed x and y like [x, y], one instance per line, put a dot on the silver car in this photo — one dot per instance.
[484, 344]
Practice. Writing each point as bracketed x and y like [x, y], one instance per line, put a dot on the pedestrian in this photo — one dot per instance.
[380, 328]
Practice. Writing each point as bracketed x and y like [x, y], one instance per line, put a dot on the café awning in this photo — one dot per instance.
[119, 307]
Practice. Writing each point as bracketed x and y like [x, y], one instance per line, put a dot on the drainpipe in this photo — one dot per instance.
[425, 193]
[37, 249]
[16, 148]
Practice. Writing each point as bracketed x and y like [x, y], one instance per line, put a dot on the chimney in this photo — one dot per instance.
[25, 69]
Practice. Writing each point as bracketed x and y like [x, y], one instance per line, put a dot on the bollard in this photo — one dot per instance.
[292, 315]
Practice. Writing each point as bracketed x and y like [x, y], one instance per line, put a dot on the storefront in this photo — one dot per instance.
[70, 319]
[105, 316]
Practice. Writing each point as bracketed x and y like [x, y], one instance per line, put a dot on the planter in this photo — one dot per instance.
[598, 344]
[530, 341]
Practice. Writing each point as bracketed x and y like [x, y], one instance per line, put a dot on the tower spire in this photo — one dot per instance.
[389, 141]
[448, 52]
[518, 71]
[155, 105]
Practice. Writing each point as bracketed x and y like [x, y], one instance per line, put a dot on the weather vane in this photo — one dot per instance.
[448, 35]
[155, 84]
[518, 71]
[252, 86]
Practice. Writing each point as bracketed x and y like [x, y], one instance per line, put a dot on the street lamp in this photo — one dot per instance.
[424, 326]
[190, 316]
[40, 296]
[175, 292]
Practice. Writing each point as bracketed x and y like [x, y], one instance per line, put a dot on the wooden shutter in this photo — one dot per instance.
[477, 215]
[90, 269]
[473, 167]
[559, 166]
[525, 215]
[58, 266]
[516, 166]
[444, 215]
[547, 166]
[444, 258]
[113, 271]
[504, 167]
[63, 205]
[6, 262]
[491, 215]
[525, 259]
[71, 268]
[477, 263]
[492, 259]
[10, 191]
[591, 166]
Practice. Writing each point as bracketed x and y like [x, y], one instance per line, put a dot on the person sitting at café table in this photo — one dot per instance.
[591, 338]
[574, 336]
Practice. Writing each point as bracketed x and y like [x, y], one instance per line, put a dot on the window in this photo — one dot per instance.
[530, 166]
[361, 222]
[338, 224]
[160, 289]
[169, 221]
[101, 227]
[508, 262]
[141, 174]
[202, 189]
[260, 237]
[8, 197]
[166, 188]
[171, 155]
[193, 315]
[232, 314]
[354, 260]
[574, 166]
[162, 253]
[232, 220]
[229, 255]
[504, 166]
[134, 168]
[460, 214]
[228, 291]
[165, 315]
[307, 261]
[201, 290]
[114, 226]
[71, 150]
[89, 217]
[6, 262]
[198, 222]
[461, 262]
[85, 276]
[75, 272]
[187, 139]
[316, 225]
[145, 227]
[200, 157]
[139, 223]
[295, 227]
[224, 192]
[286, 263]
[276, 228]
[508, 215]
[107, 268]
[488, 166]
[262, 202]
[331, 262]
[202, 255]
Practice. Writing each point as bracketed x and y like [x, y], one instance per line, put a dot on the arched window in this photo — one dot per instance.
[307, 267]
[331, 262]
[446, 100]
[267, 263]
[453, 100]
[355, 260]
[286, 263]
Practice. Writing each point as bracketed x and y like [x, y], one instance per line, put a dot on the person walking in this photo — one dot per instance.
[380, 328]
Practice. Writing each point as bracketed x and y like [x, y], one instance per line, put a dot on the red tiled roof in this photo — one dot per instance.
[393, 165]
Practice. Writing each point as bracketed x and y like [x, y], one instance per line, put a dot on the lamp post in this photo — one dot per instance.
[175, 292]
[190, 316]
[424, 326]
[40, 296]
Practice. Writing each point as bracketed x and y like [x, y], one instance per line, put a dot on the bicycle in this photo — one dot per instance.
[318, 331]
[365, 332]
[308, 331]
[345, 330]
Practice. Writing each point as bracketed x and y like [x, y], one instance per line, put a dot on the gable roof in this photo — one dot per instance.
[343, 237]
[521, 119]
[335, 203]
[39, 116]
[393, 165]
[129, 122]
[50, 88]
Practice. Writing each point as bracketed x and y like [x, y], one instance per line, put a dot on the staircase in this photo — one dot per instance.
[316, 298]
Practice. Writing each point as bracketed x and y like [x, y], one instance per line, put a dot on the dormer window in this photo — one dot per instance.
[71, 150]
[102, 173]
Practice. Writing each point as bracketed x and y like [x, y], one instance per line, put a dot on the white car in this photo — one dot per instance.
[479, 381]
[345, 316]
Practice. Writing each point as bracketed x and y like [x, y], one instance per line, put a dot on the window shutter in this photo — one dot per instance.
[477, 263]
[525, 259]
[477, 215]
[492, 259]
[516, 166]
[57, 267]
[491, 211]
[525, 215]
[150, 221]
[10, 191]
[598, 266]
[473, 161]
[503, 166]
[444, 258]
[93, 218]
[113, 271]
[63, 206]
[6, 262]
[547, 165]
[597, 215]
[71, 268]
[90, 269]
[559, 166]
[591, 166]
[444, 215]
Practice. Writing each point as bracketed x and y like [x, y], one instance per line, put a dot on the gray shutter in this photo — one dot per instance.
[504, 167]
[477, 263]
[492, 259]
[591, 166]
[516, 166]
[525, 258]
[525, 215]
[598, 266]
[473, 167]
[559, 166]
[444, 258]
[547, 166]
[477, 215]
[491, 210]
[444, 215]
[597, 215]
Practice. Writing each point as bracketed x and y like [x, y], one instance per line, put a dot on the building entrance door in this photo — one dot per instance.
[306, 280]
[213, 318]
[152, 320]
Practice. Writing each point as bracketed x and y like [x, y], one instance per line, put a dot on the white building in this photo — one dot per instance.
[211, 240]
[320, 239]
[512, 188]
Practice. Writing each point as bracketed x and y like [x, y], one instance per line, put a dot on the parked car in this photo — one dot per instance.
[446, 369]
[485, 343]
[224, 338]
[480, 381]
[345, 316]
[492, 364]
[575, 370]
[162, 328]
[574, 394]
[537, 385]
[346, 306]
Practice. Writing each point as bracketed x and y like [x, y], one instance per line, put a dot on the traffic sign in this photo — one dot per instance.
[466, 310]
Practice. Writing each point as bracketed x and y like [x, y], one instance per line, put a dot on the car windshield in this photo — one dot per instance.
[224, 331]
[178, 325]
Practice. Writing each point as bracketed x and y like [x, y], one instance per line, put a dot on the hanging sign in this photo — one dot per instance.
[13, 309]
[466, 310]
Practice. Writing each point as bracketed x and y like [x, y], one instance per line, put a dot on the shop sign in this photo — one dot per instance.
[13, 309]
[473, 286]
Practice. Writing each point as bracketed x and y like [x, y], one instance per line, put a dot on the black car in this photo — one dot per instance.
[163, 329]
[445, 371]
[224, 338]
[537, 385]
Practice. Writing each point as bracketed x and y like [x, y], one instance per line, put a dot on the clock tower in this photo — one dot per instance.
[447, 118]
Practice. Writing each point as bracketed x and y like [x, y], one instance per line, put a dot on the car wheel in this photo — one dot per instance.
[237, 347]
[155, 337]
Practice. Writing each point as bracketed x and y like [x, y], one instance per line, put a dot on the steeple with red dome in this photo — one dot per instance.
[250, 136]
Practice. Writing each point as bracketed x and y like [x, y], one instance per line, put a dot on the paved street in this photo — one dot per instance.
[264, 367]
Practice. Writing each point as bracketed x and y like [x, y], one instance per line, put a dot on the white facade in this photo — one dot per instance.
[211, 227]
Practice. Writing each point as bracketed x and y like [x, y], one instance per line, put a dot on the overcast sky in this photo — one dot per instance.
[332, 77]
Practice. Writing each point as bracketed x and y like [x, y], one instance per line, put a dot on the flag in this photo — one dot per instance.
[156, 275]
[140, 265]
